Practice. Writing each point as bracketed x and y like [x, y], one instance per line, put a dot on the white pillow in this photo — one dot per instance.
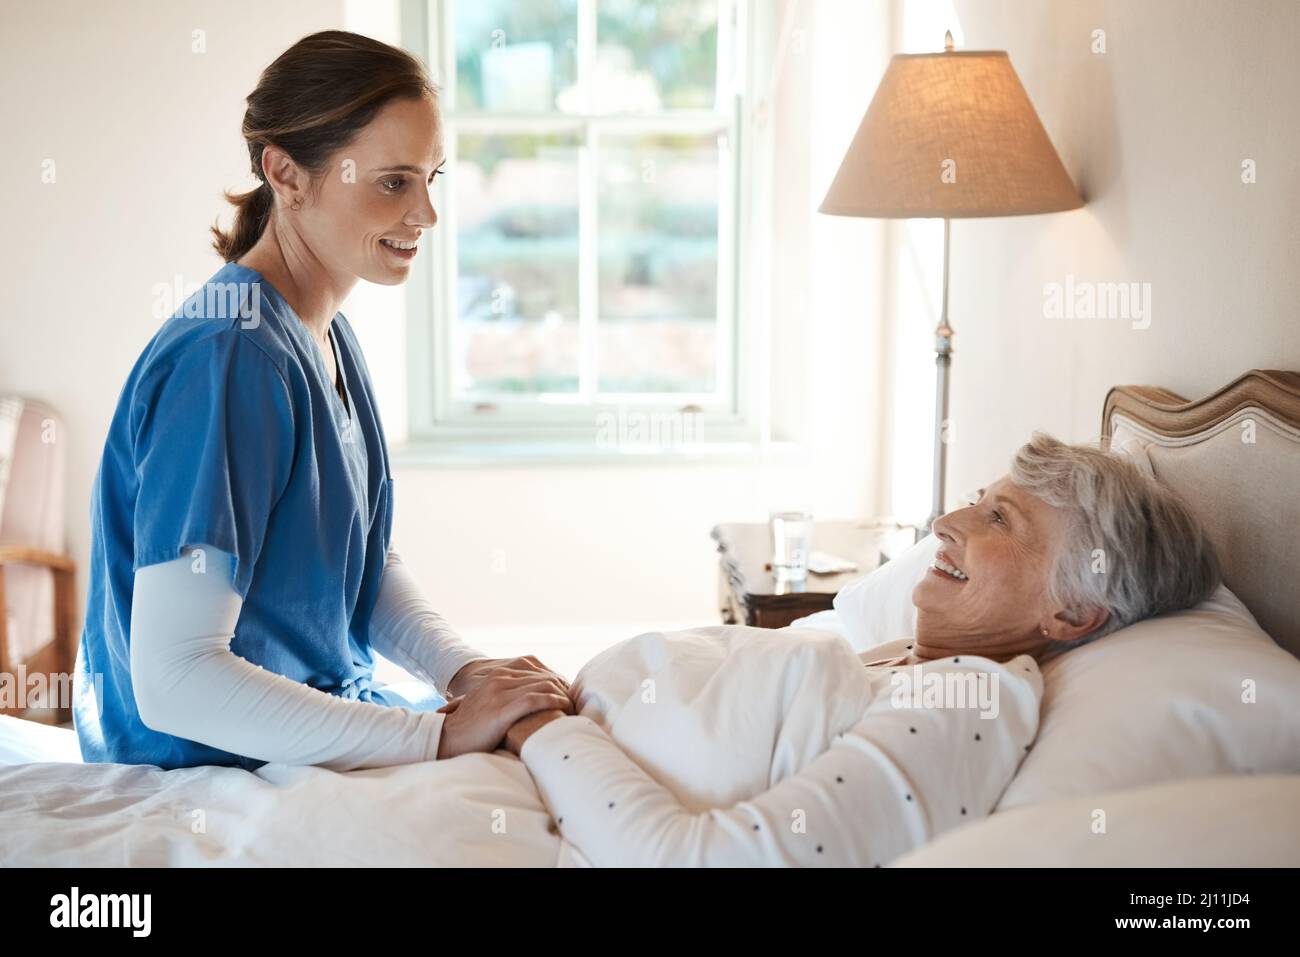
[1164, 699]
[878, 608]
[1184, 823]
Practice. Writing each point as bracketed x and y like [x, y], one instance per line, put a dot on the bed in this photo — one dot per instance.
[1169, 799]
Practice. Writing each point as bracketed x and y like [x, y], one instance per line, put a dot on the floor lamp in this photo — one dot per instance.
[950, 135]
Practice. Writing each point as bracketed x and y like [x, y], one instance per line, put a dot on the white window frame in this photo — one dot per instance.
[559, 426]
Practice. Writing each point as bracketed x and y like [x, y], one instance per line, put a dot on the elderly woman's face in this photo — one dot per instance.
[1002, 548]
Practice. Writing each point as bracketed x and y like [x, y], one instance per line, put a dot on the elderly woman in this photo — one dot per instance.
[1073, 544]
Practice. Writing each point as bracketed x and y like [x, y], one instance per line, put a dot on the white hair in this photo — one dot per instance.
[1131, 546]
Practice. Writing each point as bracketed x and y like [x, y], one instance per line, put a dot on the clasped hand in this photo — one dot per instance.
[500, 700]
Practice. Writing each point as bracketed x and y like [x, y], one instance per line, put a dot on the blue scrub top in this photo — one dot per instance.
[230, 433]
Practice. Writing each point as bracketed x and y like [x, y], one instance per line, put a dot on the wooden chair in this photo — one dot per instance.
[37, 582]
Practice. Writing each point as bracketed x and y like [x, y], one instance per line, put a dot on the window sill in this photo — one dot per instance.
[488, 454]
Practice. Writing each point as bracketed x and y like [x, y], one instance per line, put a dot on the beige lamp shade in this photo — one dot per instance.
[950, 135]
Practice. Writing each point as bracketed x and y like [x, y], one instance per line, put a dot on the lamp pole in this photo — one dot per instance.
[942, 363]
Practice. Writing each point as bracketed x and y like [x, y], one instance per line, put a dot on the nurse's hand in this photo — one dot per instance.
[476, 672]
[479, 720]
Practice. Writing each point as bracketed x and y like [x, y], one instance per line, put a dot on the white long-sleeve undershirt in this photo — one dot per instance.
[189, 683]
[405, 629]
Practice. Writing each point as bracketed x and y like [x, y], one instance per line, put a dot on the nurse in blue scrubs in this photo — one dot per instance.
[242, 573]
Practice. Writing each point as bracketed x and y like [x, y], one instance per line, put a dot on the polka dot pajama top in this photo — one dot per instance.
[900, 776]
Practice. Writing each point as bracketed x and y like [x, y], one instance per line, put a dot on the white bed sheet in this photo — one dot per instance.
[828, 620]
[22, 742]
[475, 810]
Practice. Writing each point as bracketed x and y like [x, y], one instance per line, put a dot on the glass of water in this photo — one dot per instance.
[791, 542]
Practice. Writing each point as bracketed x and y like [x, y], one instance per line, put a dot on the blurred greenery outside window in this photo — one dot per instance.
[586, 251]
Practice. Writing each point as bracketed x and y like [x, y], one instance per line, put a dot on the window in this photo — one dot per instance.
[586, 257]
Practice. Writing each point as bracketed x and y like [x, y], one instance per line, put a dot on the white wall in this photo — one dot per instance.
[1153, 132]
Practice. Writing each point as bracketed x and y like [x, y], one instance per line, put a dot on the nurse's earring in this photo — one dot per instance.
[296, 205]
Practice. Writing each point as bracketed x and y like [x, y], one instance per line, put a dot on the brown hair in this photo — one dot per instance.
[313, 100]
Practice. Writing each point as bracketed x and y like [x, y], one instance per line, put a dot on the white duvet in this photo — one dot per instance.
[735, 709]
[479, 810]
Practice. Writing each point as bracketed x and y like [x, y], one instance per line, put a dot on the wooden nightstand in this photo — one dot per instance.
[749, 592]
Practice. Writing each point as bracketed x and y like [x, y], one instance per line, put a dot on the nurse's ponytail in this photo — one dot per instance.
[251, 212]
[311, 102]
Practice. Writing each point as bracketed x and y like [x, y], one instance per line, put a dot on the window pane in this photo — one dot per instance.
[655, 55]
[517, 318]
[515, 57]
[658, 229]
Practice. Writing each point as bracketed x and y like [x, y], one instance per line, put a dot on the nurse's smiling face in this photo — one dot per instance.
[377, 193]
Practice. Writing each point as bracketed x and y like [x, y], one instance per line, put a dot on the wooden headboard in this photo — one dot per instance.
[1234, 457]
